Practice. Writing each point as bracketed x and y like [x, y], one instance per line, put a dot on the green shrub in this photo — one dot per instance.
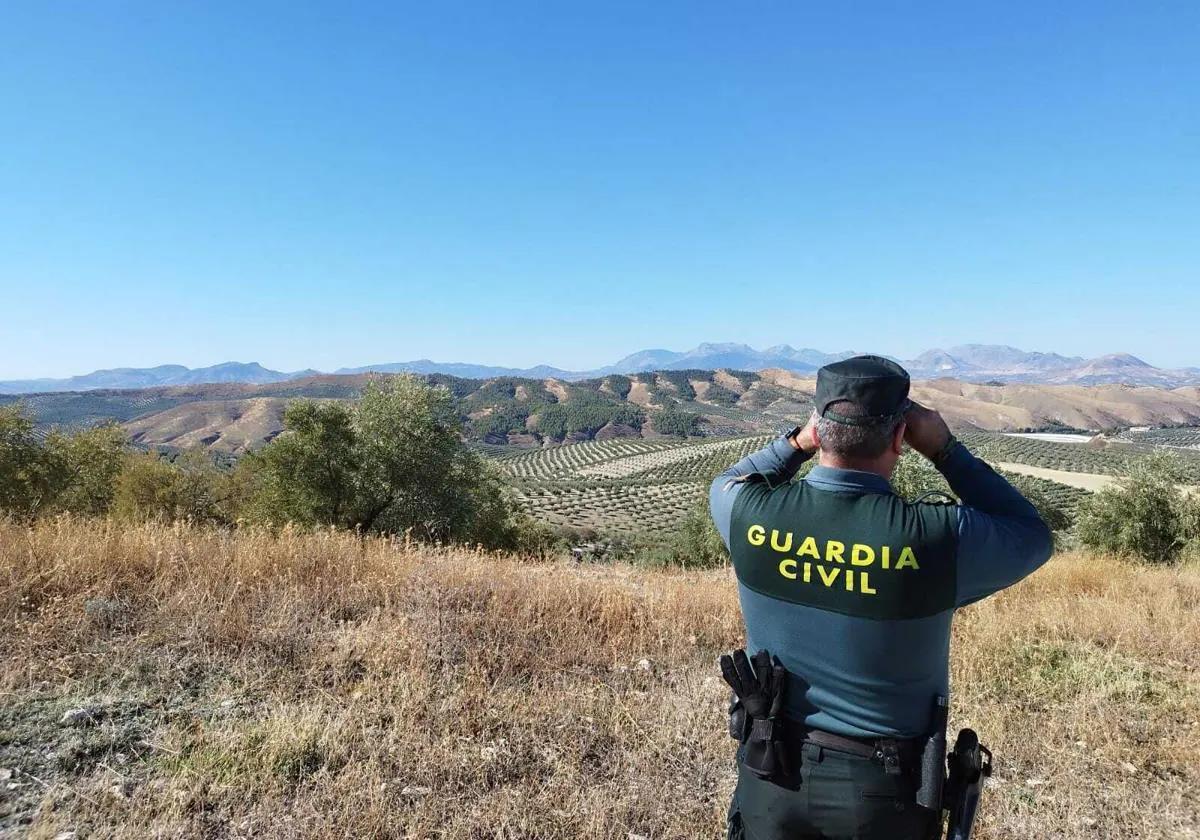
[1189, 555]
[695, 544]
[73, 472]
[1145, 516]
[153, 488]
[307, 475]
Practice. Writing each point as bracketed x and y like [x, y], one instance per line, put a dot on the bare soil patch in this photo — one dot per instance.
[557, 389]
[639, 394]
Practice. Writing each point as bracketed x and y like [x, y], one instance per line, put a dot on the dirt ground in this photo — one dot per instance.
[1086, 481]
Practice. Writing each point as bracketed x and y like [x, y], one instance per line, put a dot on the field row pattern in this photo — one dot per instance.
[1187, 437]
[631, 485]
[693, 459]
[569, 460]
[627, 508]
[1113, 459]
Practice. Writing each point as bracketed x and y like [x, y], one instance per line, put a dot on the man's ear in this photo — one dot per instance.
[898, 438]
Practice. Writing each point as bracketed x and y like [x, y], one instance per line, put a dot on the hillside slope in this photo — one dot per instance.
[1015, 406]
[235, 426]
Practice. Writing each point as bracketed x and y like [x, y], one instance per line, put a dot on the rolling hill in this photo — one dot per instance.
[529, 412]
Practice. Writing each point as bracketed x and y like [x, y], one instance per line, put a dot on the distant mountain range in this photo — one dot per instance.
[123, 378]
[969, 362]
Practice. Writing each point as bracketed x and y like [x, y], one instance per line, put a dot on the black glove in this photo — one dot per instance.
[761, 691]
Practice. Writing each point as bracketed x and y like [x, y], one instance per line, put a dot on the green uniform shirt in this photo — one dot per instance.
[854, 589]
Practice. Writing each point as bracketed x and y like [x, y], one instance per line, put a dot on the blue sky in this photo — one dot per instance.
[307, 184]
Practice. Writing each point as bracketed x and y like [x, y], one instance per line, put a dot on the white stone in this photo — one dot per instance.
[76, 717]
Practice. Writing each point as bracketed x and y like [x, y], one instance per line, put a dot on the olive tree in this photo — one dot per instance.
[308, 474]
[393, 463]
[84, 468]
[26, 475]
[413, 469]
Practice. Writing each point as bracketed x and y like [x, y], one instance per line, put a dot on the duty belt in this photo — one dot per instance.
[894, 754]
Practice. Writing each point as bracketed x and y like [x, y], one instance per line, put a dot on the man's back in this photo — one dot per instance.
[853, 589]
[866, 580]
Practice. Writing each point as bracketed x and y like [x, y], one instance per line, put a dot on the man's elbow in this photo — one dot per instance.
[714, 489]
[1041, 543]
[720, 506]
[716, 496]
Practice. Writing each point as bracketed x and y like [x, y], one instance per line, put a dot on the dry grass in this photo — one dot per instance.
[246, 685]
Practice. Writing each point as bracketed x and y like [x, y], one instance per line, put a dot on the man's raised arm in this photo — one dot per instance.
[1001, 536]
[776, 462]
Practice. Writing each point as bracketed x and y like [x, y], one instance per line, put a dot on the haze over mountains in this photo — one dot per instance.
[969, 362]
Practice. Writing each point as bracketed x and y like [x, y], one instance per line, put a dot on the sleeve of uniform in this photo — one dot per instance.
[1001, 536]
[777, 462]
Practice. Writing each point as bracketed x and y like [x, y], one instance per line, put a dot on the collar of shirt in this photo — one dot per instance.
[835, 478]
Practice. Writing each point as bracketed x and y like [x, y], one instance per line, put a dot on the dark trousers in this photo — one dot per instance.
[831, 795]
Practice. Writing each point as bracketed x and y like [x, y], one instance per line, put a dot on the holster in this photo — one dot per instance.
[932, 781]
[739, 721]
[958, 791]
[970, 764]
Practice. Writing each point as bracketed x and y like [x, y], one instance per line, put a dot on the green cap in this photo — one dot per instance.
[878, 386]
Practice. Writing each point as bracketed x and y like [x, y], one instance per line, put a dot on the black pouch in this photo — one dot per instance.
[766, 753]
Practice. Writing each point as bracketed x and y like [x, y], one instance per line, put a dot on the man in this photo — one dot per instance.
[853, 590]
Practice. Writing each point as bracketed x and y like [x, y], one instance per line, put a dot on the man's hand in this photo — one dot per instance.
[806, 439]
[926, 432]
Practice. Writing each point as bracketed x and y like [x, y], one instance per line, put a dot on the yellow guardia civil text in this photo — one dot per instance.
[837, 564]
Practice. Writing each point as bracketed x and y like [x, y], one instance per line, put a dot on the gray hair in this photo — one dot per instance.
[863, 442]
